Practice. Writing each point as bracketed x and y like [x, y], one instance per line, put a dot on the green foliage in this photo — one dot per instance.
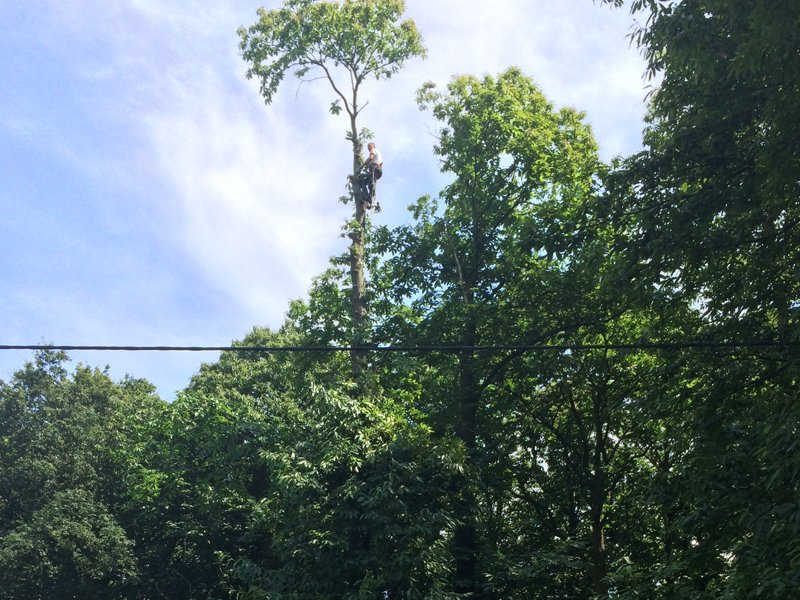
[708, 213]
[359, 505]
[194, 489]
[511, 259]
[603, 473]
[71, 547]
[364, 37]
[715, 207]
[63, 457]
[352, 495]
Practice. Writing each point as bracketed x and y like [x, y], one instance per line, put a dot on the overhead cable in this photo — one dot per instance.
[420, 349]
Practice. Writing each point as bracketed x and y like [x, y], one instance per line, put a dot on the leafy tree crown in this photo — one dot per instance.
[366, 38]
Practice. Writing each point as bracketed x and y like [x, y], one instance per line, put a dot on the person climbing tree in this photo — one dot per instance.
[359, 40]
[370, 173]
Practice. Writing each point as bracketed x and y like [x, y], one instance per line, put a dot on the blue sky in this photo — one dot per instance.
[149, 197]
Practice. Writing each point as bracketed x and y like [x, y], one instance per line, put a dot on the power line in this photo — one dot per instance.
[711, 344]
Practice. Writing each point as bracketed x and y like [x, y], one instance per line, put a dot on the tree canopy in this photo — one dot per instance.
[603, 471]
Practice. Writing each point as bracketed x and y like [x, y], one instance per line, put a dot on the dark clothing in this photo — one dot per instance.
[371, 171]
[369, 176]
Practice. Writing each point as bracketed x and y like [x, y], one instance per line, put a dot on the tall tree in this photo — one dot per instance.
[345, 43]
[467, 275]
[709, 212]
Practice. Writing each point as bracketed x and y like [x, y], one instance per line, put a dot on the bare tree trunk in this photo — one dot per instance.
[358, 301]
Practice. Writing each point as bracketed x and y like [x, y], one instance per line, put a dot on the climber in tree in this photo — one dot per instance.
[371, 172]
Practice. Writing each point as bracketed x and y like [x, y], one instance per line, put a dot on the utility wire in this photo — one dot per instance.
[419, 349]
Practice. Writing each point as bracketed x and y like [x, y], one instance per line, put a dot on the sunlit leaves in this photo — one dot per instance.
[364, 38]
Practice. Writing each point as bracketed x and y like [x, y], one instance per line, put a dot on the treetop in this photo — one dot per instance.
[364, 37]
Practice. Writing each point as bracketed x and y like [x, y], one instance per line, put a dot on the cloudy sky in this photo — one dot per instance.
[149, 197]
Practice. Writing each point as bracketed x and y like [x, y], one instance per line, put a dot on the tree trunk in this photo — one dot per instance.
[358, 301]
[599, 568]
[465, 537]
[597, 497]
